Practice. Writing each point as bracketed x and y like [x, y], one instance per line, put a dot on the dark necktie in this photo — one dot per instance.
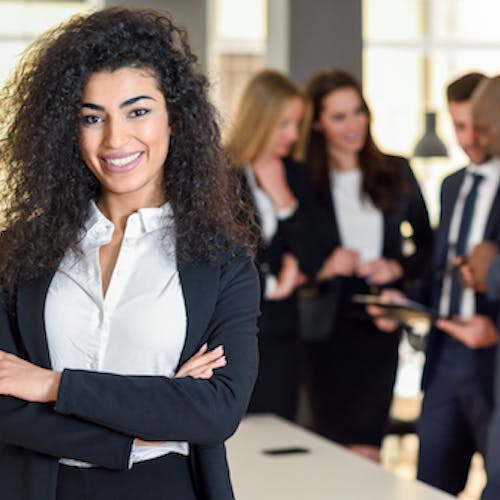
[460, 246]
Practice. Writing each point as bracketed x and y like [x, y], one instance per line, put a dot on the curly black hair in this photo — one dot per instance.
[46, 186]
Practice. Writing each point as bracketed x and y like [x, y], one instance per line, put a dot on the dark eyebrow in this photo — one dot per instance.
[124, 104]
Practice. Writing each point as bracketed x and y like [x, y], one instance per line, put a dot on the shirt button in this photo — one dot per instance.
[93, 365]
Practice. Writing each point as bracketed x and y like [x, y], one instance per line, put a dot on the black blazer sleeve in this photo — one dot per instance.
[493, 280]
[295, 234]
[37, 427]
[199, 411]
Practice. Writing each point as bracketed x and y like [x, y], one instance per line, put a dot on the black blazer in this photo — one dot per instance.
[296, 234]
[412, 209]
[97, 415]
[432, 292]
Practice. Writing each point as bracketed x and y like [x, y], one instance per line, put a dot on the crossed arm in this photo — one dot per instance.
[97, 415]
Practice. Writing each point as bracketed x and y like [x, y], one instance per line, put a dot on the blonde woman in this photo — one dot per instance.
[265, 131]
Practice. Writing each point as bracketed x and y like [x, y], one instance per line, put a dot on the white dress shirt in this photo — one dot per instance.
[139, 326]
[269, 216]
[487, 190]
[360, 223]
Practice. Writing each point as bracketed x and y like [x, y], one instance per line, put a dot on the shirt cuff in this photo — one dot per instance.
[270, 285]
[285, 213]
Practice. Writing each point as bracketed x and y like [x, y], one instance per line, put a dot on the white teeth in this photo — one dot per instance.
[120, 162]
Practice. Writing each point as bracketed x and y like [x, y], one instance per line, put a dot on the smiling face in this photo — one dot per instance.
[125, 135]
[286, 132]
[467, 137]
[343, 121]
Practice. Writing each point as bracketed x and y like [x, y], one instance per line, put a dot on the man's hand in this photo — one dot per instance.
[476, 332]
[474, 268]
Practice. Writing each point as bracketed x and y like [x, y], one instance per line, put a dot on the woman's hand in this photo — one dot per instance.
[24, 380]
[386, 324]
[380, 271]
[341, 262]
[289, 278]
[203, 363]
[271, 177]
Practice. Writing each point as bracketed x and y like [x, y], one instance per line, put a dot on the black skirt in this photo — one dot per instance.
[164, 478]
[350, 376]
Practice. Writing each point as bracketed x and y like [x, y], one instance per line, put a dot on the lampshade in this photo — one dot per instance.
[430, 144]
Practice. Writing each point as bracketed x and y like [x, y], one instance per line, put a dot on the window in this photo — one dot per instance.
[412, 49]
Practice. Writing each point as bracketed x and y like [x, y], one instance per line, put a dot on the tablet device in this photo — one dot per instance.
[403, 310]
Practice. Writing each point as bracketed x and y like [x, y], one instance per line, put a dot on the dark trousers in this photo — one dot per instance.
[163, 478]
[492, 459]
[455, 417]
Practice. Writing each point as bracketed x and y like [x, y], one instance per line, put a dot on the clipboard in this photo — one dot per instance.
[405, 311]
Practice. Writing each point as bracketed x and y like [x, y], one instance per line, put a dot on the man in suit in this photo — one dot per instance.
[458, 374]
[482, 269]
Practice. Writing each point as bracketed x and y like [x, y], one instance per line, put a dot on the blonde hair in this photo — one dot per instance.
[260, 109]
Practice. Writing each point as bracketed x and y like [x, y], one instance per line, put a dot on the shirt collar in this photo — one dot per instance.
[145, 220]
[490, 169]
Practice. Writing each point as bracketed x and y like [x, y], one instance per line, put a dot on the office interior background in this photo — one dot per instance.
[404, 51]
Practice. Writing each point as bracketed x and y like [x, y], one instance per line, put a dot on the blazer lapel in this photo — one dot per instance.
[447, 208]
[30, 316]
[492, 229]
[199, 283]
[331, 224]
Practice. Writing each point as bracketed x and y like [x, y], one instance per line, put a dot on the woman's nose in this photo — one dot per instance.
[116, 133]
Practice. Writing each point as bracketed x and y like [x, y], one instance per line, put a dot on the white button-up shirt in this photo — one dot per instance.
[360, 223]
[487, 190]
[139, 327]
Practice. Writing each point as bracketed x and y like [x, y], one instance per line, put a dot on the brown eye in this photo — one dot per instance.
[90, 119]
[139, 112]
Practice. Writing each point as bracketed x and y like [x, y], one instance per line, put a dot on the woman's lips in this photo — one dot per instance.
[121, 163]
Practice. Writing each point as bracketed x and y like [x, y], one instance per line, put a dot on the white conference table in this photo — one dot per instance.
[328, 471]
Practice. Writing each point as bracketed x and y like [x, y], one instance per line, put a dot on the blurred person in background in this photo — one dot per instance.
[481, 269]
[265, 131]
[460, 355]
[364, 196]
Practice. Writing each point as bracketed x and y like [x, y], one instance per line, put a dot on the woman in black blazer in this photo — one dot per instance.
[364, 196]
[128, 323]
[265, 131]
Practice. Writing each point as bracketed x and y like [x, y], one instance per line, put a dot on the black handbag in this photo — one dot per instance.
[317, 313]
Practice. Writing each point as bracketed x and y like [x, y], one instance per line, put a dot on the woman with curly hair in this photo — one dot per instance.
[364, 196]
[126, 267]
[261, 143]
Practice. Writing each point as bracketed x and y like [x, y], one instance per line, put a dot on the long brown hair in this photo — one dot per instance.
[382, 181]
